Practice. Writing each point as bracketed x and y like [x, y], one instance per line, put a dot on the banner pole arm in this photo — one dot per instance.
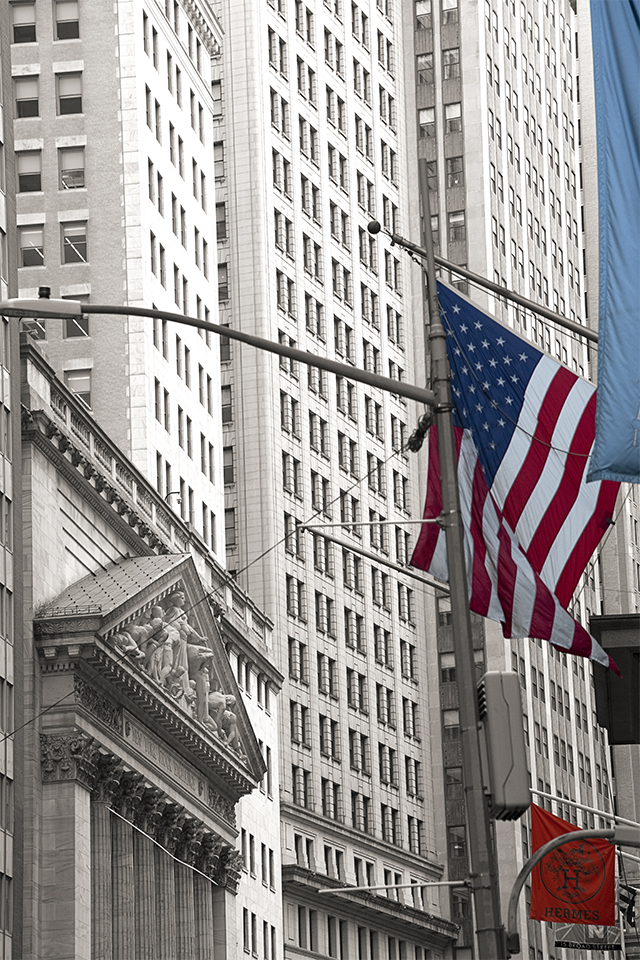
[627, 836]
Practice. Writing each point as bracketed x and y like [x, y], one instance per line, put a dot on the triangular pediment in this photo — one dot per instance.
[153, 614]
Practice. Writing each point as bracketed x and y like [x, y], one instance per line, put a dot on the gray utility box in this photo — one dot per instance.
[504, 760]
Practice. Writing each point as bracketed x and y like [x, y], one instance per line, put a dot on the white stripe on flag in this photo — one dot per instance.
[467, 460]
[563, 627]
[490, 528]
[524, 596]
[520, 442]
[439, 567]
[553, 471]
[578, 517]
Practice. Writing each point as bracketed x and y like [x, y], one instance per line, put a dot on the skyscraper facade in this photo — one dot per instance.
[310, 146]
[113, 136]
[500, 124]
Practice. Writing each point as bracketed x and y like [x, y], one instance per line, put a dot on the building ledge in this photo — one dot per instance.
[369, 908]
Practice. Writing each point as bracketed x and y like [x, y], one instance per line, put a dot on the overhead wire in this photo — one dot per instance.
[317, 513]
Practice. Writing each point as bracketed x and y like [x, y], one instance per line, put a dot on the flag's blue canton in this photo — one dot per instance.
[490, 370]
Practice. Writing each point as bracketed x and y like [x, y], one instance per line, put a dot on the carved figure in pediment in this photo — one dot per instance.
[155, 639]
[229, 730]
[174, 606]
[180, 660]
[126, 645]
[178, 679]
[198, 649]
[218, 702]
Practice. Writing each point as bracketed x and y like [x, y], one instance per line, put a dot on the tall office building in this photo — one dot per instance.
[499, 118]
[113, 138]
[310, 146]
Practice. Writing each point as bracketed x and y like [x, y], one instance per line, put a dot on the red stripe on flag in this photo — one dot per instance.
[587, 542]
[567, 492]
[429, 532]
[480, 579]
[581, 643]
[507, 574]
[544, 612]
[539, 449]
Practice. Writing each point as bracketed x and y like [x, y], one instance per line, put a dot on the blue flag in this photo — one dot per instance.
[615, 26]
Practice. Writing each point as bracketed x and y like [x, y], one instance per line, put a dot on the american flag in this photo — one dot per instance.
[524, 427]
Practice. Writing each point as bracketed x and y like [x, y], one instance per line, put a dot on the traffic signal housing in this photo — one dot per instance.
[504, 760]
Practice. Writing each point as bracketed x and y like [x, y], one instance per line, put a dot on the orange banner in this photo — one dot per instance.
[575, 882]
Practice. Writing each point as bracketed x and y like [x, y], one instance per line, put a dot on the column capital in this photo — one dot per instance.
[149, 810]
[128, 795]
[169, 826]
[190, 841]
[211, 849]
[229, 869]
[69, 756]
[109, 770]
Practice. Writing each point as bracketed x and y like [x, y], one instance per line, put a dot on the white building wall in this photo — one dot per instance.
[148, 204]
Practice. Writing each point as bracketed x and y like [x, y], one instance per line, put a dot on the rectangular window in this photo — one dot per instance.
[451, 63]
[457, 226]
[26, 90]
[455, 172]
[24, 22]
[31, 246]
[227, 408]
[76, 327]
[453, 118]
[66, 20]
[69, 93]
[228, 465]
[79, 382]
[230, 527]
[71, 168]
[74, 242]
[223, 282]
[29, 166]
[426, 123]
[221, 221]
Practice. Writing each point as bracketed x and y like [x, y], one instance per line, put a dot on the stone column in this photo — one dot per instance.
[67, 774]
[203, 899]
[187, 850]
[126, 801]
[227, 876]
[167, 833]
[144, 871]
[109, 772]
[207, 862]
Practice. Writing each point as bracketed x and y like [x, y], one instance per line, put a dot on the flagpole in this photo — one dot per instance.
[482, 866]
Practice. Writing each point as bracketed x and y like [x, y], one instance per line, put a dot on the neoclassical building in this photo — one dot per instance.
[136, 747]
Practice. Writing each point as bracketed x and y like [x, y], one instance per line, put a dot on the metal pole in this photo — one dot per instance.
[46, 308]
[499, 290]
[484, 878]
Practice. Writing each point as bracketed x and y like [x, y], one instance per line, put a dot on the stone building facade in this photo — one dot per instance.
[137, 747]
[115, 205]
